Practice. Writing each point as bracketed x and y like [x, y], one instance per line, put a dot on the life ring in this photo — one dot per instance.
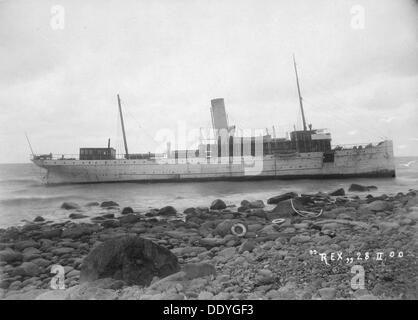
[278, 221]
[242, 230]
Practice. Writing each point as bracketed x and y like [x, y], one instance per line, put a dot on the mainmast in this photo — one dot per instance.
[123, 130]
[300, 97]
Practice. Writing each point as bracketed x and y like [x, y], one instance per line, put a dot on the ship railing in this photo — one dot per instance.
[356, 145]
[69, 157]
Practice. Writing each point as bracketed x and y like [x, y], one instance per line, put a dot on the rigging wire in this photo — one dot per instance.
[348, 123]
[341, 104]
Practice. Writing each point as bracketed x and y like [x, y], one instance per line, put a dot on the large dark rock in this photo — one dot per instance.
[108, 215]
[190, 211]
[77, 216]
[129, 218]
[107, 204]
[360, 188]
[167, 211]
[110, 224]
[282, 197]
[39, 219]
[132, 259]
[338, 192]
[284, 209]
[257, 204]
[70, 206]
[224, 228]
[218, 204]
[127, 210]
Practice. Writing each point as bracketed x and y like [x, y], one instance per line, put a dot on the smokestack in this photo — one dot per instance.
[219, 119]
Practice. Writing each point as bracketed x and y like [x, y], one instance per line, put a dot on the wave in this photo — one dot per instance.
[23, 181]
[34, 200]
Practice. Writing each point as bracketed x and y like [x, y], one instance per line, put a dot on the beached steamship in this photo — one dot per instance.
[305, 153]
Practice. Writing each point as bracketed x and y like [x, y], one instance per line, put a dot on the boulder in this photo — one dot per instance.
[152, 213]
[247, 245]
[70, 206]
[218, 204]
[227, 253]
[98, 219]
[110, 224]
[39, 219]
[31, 253]
[107, 204]
[127, 210]
[79, 231]
[412, 202]
[167, 211]
[198, 270]
[202, 209]
[50, 233]
[270, 229]
[265, 276]
[132, 259]
[8, 255]
[77, 216]
[190, 211]
[41, 262]
[257, 213]
[28, 269]
[338, 192]
[378, 205]
[224, 228]
[211, 242]
[284, 209]
[282, 197]
[130, 218]
[108, 216]
[243, 209]
[257, 204]
[21, 245]
[245, 203]
[361, 188]
[299, 239]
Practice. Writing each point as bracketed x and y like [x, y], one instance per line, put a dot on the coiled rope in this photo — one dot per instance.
[306, 214]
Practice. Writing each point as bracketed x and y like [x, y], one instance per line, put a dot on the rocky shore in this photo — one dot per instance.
[316, 246]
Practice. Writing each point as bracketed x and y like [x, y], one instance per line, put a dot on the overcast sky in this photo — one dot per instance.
[168, 58]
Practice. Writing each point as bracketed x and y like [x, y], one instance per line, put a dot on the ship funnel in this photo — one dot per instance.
[219, 119]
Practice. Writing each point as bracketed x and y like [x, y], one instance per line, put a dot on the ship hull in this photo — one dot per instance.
[376, 161]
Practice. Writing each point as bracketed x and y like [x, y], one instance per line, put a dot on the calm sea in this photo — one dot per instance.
[23, 196]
